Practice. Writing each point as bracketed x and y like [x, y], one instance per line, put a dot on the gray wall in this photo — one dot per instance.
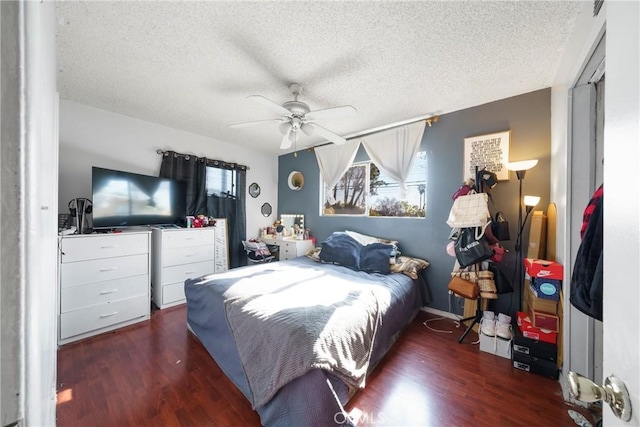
[528, 117]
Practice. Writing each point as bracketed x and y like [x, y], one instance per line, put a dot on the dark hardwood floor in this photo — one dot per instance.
[157, 374]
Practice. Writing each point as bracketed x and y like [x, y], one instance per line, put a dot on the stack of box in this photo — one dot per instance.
[534, 350]
[535, 344]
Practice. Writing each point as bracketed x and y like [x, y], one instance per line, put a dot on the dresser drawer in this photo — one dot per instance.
[188, 238]
[100, 270]
[288, 250]
[93, 318]
[184, 255]
[77, 297]
[94, 247]
[173, 293]
[180, 273]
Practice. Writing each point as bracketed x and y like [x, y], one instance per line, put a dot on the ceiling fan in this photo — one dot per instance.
[296, 116]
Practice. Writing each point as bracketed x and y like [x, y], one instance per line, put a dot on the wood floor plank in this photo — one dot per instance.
[157, 374]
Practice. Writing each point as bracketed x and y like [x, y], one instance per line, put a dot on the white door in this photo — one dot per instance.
[621, 316]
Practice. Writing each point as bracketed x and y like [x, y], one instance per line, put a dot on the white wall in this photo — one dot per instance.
[93, 137]
[28, 213]
[583, 39]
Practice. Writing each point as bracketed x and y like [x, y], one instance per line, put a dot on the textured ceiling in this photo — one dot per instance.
[191, 65]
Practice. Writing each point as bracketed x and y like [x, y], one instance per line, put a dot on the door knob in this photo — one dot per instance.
[614, 392]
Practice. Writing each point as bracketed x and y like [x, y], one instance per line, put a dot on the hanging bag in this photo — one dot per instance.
[503, 285]
[470, 210]
[471, 247]
[500, 227]
[462, 287]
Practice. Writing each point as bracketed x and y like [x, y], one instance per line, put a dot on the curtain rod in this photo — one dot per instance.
[214, 162]
[429, 120]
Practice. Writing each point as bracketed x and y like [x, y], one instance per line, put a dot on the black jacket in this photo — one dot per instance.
[586, 280]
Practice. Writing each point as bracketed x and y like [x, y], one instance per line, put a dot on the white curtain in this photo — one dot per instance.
[393, 151]
[333, 161]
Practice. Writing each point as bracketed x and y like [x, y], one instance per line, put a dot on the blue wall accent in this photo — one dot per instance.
[528, 117]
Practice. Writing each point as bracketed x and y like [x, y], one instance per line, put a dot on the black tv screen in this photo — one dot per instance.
[122, 199]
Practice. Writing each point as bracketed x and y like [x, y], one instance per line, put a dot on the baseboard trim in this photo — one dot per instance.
[441, 313]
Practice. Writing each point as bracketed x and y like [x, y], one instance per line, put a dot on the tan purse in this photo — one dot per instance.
[463, 288]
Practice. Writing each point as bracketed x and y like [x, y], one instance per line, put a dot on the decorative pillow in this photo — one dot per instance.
[314, 254]
[374, 258]
[409, 266]
[340, 248]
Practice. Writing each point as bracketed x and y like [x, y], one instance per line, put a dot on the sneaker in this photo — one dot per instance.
[503, 327]
[488, 324]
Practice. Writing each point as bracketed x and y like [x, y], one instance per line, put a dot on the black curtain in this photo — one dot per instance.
[193, 172]
[231, 206]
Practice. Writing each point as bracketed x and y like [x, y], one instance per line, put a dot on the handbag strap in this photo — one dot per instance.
[484, 227]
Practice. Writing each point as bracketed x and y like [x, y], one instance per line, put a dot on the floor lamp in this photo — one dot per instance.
[520, 168]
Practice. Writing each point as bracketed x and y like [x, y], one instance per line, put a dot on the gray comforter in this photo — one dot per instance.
[294, 319]
[318, 395]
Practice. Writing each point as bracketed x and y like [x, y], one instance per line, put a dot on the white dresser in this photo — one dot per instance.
[104, 283]
[289, 248]
[180, 254]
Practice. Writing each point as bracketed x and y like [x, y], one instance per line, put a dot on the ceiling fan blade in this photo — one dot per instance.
[342, 111]
[286, 140]
[270, 104]
[325, 133]
[257, 122]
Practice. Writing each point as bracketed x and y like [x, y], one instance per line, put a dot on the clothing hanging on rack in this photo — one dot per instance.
[587, 279]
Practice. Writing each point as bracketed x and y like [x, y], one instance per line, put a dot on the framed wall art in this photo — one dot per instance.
[490, 151]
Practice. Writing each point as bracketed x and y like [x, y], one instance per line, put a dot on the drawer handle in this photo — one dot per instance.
[189, 238]
[108, 292]
[102, 270]
[108, 247]
[189, 255]
[108, 315]
[189, 272]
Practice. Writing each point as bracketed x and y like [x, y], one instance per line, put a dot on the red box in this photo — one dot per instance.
[544, 320]
[544, 269]
[531, 332]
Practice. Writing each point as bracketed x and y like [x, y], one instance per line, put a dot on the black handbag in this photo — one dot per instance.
[471, 247]
[503, 285]
[500, 227]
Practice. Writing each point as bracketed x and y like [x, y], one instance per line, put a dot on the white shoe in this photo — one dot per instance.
[503, 327]
[488, 324]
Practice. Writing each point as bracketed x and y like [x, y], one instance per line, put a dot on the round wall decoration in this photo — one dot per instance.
[295, 180]
[266, 209]
[254, 190]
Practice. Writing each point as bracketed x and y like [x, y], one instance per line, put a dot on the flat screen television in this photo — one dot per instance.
[124, 199]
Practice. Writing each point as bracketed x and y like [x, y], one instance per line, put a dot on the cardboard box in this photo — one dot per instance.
[543, 320]
[544, 288]
[543, 268]
[528, 330]
[529, 347]
[538, 304]
[495, 345]
[534, 365]
[537, 235]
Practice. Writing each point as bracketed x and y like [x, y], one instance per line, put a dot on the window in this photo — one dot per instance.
[364, 190]
[220, 182]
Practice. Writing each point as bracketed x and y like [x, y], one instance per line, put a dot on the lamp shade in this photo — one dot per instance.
[522, 165]
[531, 200]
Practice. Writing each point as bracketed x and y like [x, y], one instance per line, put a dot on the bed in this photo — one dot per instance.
[298, 337]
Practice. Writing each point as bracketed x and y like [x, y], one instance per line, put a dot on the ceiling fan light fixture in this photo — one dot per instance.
[285, 127]
[308, 129]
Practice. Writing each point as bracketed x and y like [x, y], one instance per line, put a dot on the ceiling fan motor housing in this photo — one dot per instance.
[297, 108]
